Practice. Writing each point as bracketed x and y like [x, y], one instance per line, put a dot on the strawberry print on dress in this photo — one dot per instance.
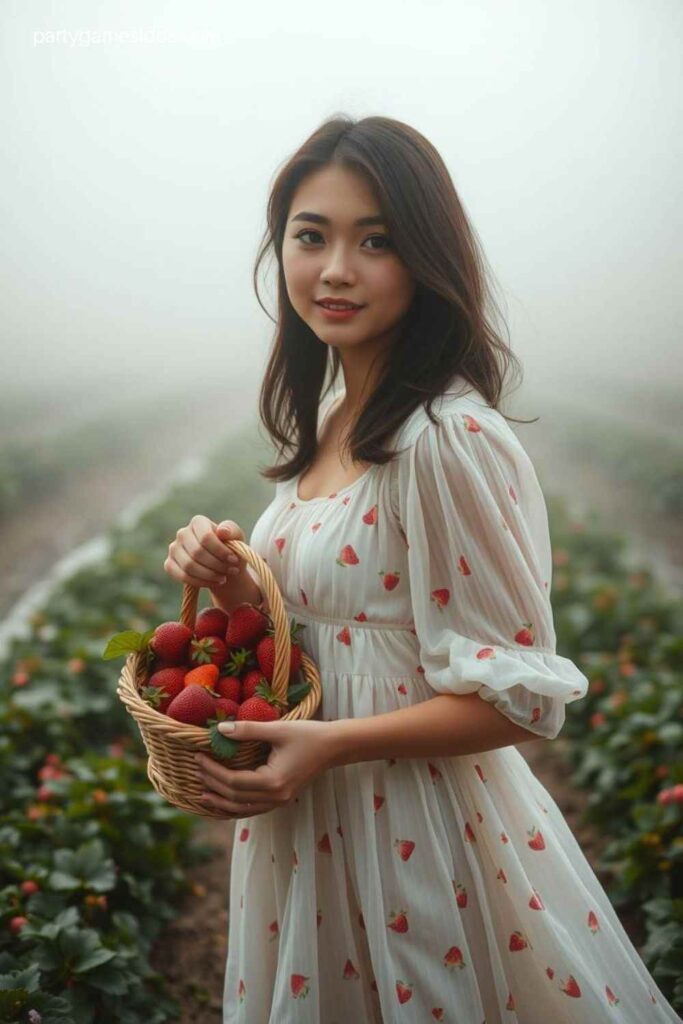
[449, 889]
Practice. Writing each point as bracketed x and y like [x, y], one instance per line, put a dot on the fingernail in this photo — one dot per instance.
[226, 726]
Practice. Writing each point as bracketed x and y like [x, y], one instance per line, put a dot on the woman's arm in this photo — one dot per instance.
[448, 725]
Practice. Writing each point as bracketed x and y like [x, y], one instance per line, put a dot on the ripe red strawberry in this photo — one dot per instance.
[246, 626]
[265, 651]
[204, 675]
[194, 705]
[226, 708]
[208, 650]
[229, 687]
[257, 709]
[170, 642]
[17, 923]
[163, 686]
[211, 622]
[250, 681]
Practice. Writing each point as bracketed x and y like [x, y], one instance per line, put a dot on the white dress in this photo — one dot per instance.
[443, 888]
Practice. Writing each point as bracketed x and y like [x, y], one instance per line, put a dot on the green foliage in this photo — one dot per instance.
[626, 634]
[80, 823]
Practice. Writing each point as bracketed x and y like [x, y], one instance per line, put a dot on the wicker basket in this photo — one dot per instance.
[171, 745]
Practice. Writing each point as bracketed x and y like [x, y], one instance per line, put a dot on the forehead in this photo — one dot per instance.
[336, 193]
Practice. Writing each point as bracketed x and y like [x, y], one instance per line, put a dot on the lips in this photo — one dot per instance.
[337, 305]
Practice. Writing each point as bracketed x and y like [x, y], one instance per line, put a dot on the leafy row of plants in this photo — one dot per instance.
[93, 862]
[625, 738]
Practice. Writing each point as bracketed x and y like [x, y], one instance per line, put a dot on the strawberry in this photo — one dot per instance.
[258, 709]
[230, 687]
[299, 986]
[246, 626]
[250, 681]
[170, 642]
[404, 992]
[193, 705]
[207, 650]
[226, 708]
[168, 682]
[265, 651]
[398, 921]
[211, 622]
[204, 675]
[526, 635]
[17, 923]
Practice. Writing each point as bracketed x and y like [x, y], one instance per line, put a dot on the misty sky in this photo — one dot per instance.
[135, 174]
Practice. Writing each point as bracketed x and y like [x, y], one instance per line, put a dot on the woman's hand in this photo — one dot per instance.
[301, 750]
[199, 555]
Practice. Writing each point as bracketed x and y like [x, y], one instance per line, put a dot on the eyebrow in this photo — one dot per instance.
[317, 218]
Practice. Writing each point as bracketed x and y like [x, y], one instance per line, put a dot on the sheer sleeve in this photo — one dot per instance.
[475, 524]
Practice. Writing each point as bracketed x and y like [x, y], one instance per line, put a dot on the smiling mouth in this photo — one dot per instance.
[341, 307]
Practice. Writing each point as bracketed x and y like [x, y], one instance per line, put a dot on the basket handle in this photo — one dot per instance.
[283, 645]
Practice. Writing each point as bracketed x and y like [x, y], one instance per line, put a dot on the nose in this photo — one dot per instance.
[338, 268]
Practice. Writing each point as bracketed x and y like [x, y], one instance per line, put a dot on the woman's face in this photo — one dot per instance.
[341, 259]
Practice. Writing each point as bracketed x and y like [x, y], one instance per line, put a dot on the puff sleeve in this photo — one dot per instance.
[475, 524]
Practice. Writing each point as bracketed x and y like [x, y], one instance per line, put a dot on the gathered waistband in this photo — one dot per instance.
[303, 612]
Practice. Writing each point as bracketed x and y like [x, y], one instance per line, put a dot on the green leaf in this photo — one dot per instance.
[110, 980]
[94, 959]
[29, 979]
[125, 642]
[671, 733]
[63, 882]
[297, 692]
[220, 745]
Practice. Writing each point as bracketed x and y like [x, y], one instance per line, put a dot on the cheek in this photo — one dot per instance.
[395, 285]
[297, 270]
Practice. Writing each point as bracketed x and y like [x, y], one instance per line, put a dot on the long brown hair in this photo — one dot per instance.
[448, 329]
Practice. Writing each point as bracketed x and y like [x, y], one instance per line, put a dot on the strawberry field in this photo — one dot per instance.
[95, 866]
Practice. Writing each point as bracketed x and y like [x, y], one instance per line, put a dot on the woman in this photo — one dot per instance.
[397, 859]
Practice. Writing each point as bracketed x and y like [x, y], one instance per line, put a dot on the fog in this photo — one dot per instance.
[136, 172]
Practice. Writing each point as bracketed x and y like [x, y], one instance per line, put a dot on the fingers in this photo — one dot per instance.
[178, 572]
[243, 785]
[231, 810]
[199, 558]
[204, 547]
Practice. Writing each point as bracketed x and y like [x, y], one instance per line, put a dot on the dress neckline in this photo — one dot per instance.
[340, 490]
[334, 494]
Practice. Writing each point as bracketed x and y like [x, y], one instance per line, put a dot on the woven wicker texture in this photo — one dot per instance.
[171, 745]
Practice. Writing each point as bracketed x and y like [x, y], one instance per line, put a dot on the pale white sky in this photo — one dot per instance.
[135, 174]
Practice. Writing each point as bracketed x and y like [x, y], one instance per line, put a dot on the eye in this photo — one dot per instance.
[312, 231]
[384, 238]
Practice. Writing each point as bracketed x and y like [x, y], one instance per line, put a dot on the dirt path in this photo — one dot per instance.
[33, 541]
[192, 951]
